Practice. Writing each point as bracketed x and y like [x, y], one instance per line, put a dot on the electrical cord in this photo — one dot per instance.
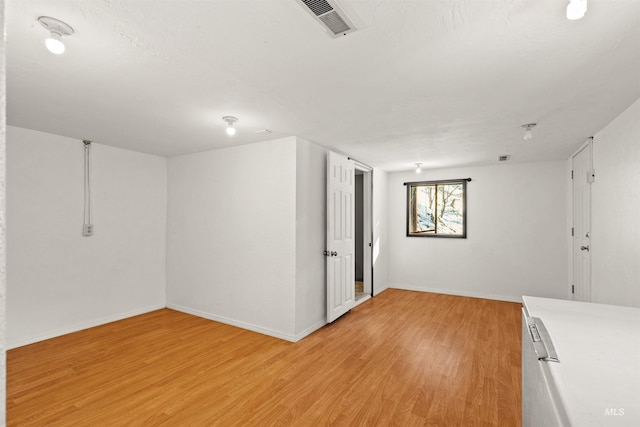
[87, 182]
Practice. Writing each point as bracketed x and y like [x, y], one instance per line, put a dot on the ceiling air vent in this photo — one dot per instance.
[503, 158]
[333, 19]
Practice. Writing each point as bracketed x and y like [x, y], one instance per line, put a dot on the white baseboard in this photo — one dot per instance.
[361, 300]
[233, 322]
[378, 291]
[311, 329]
[458, 293]
[84, 325]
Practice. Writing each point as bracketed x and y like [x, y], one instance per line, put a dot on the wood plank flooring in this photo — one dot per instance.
[402, 358]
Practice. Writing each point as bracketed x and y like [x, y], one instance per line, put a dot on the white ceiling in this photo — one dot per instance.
[441, 82]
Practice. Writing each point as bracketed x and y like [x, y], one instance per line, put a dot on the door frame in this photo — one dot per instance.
[367, 227]
[588, 145]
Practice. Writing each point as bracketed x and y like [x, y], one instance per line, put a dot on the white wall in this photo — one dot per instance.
[311, 213]
[615, 229]
[246, 235]
[231, 236]
[381, 209]
[3, 281]
[58, 280]
[238, 238]
[516, 235]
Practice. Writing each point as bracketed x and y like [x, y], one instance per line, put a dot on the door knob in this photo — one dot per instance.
[584, 248]
[334, 253]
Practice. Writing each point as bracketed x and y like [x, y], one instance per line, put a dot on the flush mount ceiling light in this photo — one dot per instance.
[527, 131]
[57, 29]
[576, 9]
[230, 121]
[418, 167]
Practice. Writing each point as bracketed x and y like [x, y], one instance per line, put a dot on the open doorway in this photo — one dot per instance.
[363, 234]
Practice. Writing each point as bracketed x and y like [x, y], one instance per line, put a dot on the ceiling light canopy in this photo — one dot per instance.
[527, 131]
[231, 130]
[57, 29]
[576, 9]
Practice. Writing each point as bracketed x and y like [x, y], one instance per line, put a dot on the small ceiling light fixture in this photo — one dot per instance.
[527, 130]
[418, 167]
[230, 121]
[57, 29]
[576, 9]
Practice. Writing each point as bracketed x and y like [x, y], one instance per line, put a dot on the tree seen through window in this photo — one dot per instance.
[437, 208]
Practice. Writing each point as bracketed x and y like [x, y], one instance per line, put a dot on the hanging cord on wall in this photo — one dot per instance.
[87, 226]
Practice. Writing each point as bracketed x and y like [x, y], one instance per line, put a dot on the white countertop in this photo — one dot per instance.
[598, 376]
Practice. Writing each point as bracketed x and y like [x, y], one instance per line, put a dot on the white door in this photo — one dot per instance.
[581, 245]
[340, 236]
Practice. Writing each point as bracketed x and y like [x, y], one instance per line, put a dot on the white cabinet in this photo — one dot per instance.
[596, 380]
[539, 397]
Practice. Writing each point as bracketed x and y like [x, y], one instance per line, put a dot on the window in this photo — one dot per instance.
[437, 208]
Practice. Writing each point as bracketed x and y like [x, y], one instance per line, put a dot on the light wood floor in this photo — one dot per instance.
[402, 358]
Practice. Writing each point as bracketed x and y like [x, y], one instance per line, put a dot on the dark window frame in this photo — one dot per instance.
[462, 181]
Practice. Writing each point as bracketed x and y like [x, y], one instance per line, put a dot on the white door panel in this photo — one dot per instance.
[581, 165]
[340, 236]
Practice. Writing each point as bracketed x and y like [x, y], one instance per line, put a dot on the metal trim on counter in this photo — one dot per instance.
[542, 343]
